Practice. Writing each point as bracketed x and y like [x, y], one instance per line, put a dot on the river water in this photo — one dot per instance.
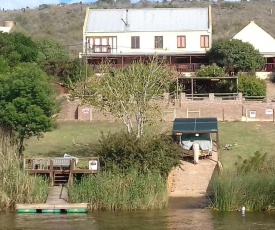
[181, 214]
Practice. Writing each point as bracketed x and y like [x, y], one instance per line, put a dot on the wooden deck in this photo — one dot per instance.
[62, 170]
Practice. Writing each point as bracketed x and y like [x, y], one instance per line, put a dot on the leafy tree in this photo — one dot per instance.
[52, 51]
[242, 56]
[250, 85]
[17, 48]
[4, 66]
[130, 94]
[27, 102]
[54, 59]
[210, 71]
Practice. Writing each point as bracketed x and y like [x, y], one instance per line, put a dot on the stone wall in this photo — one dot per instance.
[224, 108]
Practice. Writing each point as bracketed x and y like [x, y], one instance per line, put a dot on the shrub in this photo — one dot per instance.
[210, 71]
[241, 56]
[250, 85]
[124, 151]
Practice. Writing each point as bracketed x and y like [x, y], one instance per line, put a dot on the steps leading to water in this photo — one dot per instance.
[61, 178]
[192, 180]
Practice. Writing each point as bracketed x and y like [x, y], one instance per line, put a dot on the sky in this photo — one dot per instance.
[18, 4]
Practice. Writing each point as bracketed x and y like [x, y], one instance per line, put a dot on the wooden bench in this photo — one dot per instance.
[61, 162]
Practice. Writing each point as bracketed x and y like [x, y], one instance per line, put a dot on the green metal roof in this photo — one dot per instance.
[195, 125]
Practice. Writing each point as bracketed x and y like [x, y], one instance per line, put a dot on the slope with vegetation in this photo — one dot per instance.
[64, 23]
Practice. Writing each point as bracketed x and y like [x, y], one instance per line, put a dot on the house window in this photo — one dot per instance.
[181, 42]
[135, 42]
[158, 42]
[204, 41]
[102, 44]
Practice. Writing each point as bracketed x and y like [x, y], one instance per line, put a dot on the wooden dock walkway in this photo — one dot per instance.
[57, 202]
[193, 179]
[58, 195]
[61, 172]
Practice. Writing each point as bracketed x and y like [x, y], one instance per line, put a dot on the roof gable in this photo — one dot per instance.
[146, 20]
[258, 37]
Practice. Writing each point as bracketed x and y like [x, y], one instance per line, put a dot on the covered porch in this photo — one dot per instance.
[180, 63]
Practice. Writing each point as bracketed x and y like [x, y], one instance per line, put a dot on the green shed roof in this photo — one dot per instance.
[195, 125]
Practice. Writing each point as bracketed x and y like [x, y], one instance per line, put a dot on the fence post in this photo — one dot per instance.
[51, 173]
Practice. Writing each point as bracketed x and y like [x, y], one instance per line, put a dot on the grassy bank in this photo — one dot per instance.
[76, 138]
[16, 185]
[132, 191]
[250, 183]
[255, 191]
[232, 190]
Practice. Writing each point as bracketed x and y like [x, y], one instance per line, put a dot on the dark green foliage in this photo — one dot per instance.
[27, 102]
[54, 59]
[124, 151]
[17, 48]
[68, 72]
[250, 85]
[4, 66]
[242, 56]
[51, 51]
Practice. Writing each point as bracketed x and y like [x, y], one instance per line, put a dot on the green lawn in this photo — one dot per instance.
[74, 138]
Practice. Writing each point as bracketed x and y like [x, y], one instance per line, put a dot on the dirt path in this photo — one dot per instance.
[193, 179]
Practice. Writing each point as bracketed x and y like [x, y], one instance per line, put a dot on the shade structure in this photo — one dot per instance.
[195, 125]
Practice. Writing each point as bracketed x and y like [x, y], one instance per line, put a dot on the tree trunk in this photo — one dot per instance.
[140, 123]
[21, 147]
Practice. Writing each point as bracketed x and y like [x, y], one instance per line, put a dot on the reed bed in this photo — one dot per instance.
[16, 185]
[250, 184]
[121, 191]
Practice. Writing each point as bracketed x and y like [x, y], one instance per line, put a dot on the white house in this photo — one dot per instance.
[182, 35]
[7, 27]
[261, 40]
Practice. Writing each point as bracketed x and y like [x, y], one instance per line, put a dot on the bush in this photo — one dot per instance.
[241, 56]
[124, 151]
[250, 85]
[210, 71]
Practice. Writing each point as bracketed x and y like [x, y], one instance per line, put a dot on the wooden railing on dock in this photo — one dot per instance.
[61, 170]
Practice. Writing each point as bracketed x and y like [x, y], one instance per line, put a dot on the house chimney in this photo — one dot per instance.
[126, 17]
[126, 20]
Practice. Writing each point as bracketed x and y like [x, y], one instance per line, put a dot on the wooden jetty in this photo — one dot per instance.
[57, 202]
[61, 171]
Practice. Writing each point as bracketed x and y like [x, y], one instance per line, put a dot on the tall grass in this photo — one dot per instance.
[250, 184]
[16, 185]
[118, 191]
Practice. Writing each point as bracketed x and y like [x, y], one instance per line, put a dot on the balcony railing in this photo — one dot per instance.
[189, 67]
[269, 67]
[101, 49]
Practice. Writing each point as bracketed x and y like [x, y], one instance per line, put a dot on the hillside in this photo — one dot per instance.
[65, 22]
